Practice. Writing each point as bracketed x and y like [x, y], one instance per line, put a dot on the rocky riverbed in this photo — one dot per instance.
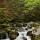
[26, 31]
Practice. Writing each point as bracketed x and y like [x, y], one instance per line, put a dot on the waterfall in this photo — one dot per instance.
[23, 36]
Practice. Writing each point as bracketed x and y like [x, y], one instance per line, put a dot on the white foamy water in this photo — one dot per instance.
[23, 33]
[23, 36]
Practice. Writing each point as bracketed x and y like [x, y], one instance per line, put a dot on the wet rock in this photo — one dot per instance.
[29, 33]
[17, 34]
[29, 27]
[26, 28]
[24, 25]
[24, 38]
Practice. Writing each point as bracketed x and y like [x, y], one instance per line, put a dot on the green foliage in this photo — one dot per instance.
[30, 5]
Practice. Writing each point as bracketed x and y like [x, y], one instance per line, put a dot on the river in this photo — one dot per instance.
[23, 35]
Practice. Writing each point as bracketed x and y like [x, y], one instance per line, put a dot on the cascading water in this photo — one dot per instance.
[23, 36]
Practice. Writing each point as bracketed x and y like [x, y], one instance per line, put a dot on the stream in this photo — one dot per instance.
[23, 32]
[23, 36]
